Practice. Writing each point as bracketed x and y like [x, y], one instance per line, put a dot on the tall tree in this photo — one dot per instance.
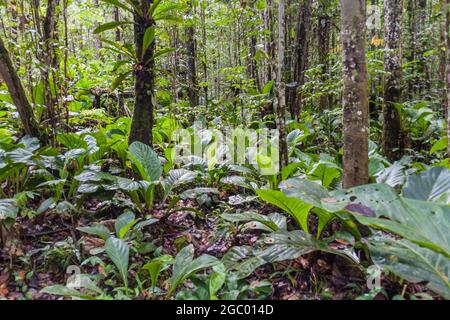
[393, 12]
[17, 92]
[281, 86]
[50, 61]
[323, 47]
[447, 33]
[145, 100]
[300, 56]
[355, 100]
[191, 57]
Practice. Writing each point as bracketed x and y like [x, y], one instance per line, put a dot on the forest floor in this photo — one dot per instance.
[51, 243]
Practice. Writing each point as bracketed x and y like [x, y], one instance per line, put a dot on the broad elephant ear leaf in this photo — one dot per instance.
[8, 209]
[118, 251]
[146, 161]
[295, 207]
[185, 266]
[272, 222]
[393, 175]
[286, 245]
[423, 223]
[413, 263]
[428, 185]
[124, 223]
[177, 177]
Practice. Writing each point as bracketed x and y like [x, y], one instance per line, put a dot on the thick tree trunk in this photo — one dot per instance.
[281, 87]
[355, 101]
[391, 143]
[17, 92]
[301, 57]
[145, 100]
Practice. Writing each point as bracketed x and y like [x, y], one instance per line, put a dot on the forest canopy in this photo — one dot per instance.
[224, 149]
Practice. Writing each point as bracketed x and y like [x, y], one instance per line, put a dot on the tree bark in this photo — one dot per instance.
[144, 101]
[447, 32]
[355, 101]
[191, 68]
[323, 46]
[301, 57]
[17, 92]
[393, 11]
[281, 87]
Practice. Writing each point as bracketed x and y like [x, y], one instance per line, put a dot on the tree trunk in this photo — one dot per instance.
[281, 87]
[191, 68]
[204, 60]
[393, 11]
[412, 44]
[355, 101]
[51, 64]
[17, 92]
[301, 57]
[447, 31]
[323, 46]
[144, 103]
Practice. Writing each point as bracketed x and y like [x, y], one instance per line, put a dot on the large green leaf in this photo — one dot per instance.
[428, 185]
[286, 245]
[98, 230]
[118, 251]
[413, 263]
[326, 171]
[185, 266]
[242, 261]
[155, 267]
[110, 25]
[8, 209]
[423, 223]
[124, 223]
[277, 247]
[177, 177]
[295, 207]
[146, 161]
[393, 175]
[271, 222]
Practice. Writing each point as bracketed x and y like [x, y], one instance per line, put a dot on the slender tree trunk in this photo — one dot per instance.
[204, 60]
[271, 41]
[355, 101]
[412, 43]
[253, 65]
[191, 68]
[17, 92]
[393, 12]
[51, 65]
[301, 57]
[323, 46]
[281, 87]
[447, 31]
[144, 103]
[118, 38]
[442, 71]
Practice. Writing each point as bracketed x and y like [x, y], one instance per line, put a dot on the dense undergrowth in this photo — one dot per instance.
[126, 221]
